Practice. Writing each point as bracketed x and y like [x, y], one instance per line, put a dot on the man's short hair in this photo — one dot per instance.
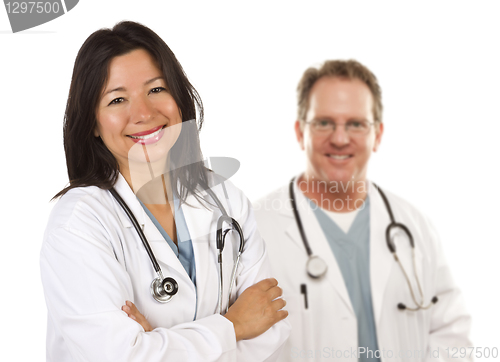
[350, 69]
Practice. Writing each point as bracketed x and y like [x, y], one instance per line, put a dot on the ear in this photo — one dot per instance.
[299, 132]
[96, 132]
[379, 131]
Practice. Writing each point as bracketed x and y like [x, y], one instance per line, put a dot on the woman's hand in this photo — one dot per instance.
[257, 309]
[134, 313]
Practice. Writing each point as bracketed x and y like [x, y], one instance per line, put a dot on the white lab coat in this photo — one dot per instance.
[328, 328]
[92, 261]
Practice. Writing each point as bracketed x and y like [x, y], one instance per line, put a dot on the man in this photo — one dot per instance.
[353, 299]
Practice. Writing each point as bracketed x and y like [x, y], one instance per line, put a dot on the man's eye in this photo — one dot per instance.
[157, 90]
[116, 101]
[322, 123]
[355, 124]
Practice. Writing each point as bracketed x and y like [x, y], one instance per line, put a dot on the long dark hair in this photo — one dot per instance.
[88, 160]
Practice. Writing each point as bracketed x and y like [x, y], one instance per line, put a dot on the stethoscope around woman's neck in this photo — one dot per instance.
[164, 288]
[316, 267]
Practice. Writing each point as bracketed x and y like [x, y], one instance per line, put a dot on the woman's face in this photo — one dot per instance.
[134, 112]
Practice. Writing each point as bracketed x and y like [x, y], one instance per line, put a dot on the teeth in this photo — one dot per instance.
[339, 157]
[147, 136]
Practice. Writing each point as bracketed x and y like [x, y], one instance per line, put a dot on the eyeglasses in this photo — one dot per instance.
[352, 127]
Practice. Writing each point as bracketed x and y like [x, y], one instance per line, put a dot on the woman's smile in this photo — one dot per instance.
[148, 137]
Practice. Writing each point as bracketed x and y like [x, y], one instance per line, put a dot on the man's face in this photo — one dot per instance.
[338, 156]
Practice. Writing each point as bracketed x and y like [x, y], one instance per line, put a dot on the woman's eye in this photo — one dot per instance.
[157, 90]
[116, 101]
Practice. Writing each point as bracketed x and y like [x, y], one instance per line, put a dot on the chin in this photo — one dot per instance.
[342, 182]
[339, 177]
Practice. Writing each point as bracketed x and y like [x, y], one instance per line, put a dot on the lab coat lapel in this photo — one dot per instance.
[201, 223]
[381, 259]
[163, 252]
[317, 242]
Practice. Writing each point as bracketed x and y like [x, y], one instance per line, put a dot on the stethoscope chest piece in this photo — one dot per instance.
[316, 267]
[163, 290]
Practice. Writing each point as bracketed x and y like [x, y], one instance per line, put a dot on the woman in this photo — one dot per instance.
[128, 128]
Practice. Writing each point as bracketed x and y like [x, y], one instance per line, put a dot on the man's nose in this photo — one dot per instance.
[339, 136]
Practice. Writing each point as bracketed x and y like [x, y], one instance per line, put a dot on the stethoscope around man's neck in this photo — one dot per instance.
[316, 267]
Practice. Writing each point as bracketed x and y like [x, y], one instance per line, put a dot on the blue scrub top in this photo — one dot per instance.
[352, 252]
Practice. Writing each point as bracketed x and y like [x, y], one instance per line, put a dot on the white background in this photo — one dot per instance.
[438, 64]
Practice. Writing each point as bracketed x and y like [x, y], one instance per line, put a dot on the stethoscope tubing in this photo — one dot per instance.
[297, 218]
[138, 228]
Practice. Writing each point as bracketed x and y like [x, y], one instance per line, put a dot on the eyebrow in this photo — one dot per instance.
[333, 119]
[122, 89]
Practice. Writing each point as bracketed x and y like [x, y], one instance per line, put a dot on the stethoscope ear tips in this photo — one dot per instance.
[434, 300]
